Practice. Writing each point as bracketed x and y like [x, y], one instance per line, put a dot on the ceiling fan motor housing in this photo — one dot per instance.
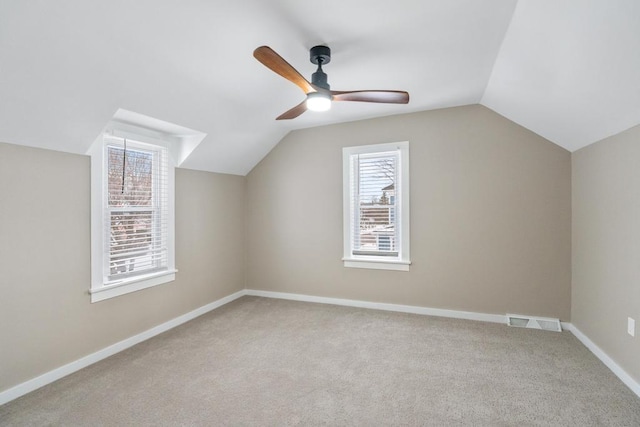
[320, 55]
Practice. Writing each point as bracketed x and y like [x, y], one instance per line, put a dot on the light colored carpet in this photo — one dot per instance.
[260, 361]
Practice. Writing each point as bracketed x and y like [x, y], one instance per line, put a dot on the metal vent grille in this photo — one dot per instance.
[543, 323]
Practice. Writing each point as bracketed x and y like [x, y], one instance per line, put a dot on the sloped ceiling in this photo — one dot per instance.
[570, 70]
[567, 70]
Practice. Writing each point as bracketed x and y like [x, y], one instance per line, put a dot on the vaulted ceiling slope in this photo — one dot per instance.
[567, 70]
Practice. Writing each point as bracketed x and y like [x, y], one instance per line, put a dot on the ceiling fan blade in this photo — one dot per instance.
[294, 112]
[383, 96]
[270, 59]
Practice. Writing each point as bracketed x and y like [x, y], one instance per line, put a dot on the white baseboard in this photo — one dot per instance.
[608, 361]
[63, 371]
[468, 315]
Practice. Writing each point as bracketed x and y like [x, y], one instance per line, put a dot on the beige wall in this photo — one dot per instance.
[46, 319]
[490, 215]
[606, 245]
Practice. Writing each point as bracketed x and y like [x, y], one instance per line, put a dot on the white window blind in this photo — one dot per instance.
[374, 229]
[136, 216]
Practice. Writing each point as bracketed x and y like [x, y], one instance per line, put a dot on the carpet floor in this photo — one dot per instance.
[259, 361]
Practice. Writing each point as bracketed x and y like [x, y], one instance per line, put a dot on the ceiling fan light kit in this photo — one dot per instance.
[317, 101]
[318, 91]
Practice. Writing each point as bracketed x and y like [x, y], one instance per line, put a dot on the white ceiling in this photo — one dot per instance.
[568, 70]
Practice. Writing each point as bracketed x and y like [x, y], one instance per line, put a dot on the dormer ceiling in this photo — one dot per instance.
[568, 70]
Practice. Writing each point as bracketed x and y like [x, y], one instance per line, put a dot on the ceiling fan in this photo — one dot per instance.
[319, 93]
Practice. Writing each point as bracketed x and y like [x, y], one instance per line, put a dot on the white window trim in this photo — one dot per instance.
[102, 289]
[403, 261]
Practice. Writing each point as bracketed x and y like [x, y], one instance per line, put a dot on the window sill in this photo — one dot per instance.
[377, 264]
[132, 284]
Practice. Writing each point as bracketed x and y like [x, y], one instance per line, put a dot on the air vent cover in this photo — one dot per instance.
[544, 323]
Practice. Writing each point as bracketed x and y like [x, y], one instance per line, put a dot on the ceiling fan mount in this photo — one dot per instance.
[318, 92]
[320, 55]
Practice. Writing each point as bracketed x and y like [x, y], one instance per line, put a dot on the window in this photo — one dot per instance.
[132, 202]
[376, 206]
[132, 214]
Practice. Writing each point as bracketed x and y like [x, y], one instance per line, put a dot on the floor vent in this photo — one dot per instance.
[544, 323]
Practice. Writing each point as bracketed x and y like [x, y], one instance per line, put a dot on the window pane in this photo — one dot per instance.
[375, 232]
[137, 188]
[135, 214]
[131, 239]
